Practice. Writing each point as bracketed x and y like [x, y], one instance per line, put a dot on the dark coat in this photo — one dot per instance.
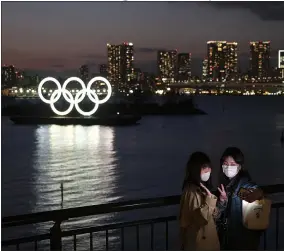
[229, 219]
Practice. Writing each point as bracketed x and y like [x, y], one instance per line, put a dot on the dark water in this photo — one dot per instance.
[101, 164]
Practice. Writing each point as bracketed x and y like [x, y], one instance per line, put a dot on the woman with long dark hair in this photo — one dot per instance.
[235, 185]
[197, 226]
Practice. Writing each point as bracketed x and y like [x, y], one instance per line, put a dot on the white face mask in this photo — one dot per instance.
[205, 176]
[230, 171]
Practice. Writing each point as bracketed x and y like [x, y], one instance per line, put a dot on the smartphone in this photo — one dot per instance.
[243, 192]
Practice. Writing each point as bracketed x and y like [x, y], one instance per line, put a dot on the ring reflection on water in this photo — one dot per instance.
[82, 159]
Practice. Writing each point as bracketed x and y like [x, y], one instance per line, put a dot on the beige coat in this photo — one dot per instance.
[196, 220]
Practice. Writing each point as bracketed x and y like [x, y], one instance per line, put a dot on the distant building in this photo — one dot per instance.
[167, 62]
[222, 60]
[8, 75]
[259, 60]
[183, 67]
[147, 81]
[217, 60]
[103, 69]
[281, 62]
[232, 61]
[120, 65]
[205, 70]
[137, 74]
[84, 72]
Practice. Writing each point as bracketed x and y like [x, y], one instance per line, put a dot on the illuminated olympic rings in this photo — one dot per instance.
[80, 95]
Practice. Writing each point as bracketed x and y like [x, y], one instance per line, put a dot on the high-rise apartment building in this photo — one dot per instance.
[232, 60]
[217, 60]
[183, 67]
[167, 62]
[205, 70]
[8, 75]
[281, 62]
[259, 59]
[120, 64]
[84, 72]
[222, 60]
[137, 74]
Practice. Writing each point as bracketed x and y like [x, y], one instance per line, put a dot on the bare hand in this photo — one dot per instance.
[253, 195]
[206, 189]
[223, 194]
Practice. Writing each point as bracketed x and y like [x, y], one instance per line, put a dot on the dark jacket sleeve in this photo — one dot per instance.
[220, 209]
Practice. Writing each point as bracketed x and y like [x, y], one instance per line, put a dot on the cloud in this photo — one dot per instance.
[266, 11]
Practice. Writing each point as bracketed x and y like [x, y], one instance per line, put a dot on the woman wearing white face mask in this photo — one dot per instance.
[197, 226]
[232, 234]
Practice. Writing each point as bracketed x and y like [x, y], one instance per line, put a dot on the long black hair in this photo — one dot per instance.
[239, 158]
[196, 162]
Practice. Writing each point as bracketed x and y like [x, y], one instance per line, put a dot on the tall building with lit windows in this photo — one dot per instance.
[259, 62]
[167, 62]
[222, 60]
[183, 67]
[281, 62]
[232, 60]
[217, 60]
[8, 75]
[205, 70]
[84, 72]
[120, 65]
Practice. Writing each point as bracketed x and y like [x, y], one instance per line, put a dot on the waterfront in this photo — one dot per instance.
[102, 164]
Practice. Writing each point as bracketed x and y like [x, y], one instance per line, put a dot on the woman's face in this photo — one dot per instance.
[230, 167]
[205, 173]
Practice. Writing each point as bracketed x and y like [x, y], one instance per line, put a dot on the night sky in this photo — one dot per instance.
[58, 37]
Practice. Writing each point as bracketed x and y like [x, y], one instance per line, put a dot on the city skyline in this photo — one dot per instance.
[31, 45]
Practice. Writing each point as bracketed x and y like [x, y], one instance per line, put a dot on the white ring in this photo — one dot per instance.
[54, 80]
[78, 97]
[64, 91]
[53, 107]
[108, 89]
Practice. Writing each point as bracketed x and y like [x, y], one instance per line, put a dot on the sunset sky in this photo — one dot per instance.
[60, 36]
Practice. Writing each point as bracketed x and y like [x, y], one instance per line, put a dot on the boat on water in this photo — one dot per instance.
[118, 120]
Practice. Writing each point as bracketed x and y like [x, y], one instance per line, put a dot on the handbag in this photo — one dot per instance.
[256, 215]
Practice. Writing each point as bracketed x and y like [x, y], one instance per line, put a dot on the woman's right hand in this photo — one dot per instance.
[206, 189]
[223, 194]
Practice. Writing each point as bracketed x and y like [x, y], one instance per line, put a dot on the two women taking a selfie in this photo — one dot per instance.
[215, 221]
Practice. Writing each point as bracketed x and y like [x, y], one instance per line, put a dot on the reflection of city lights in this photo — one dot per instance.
[82, 158]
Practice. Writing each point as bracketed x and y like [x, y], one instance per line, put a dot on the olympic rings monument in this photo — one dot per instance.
[87, 117]
[79, 97]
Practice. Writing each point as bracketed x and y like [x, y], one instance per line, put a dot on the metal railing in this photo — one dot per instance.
[58, 216]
